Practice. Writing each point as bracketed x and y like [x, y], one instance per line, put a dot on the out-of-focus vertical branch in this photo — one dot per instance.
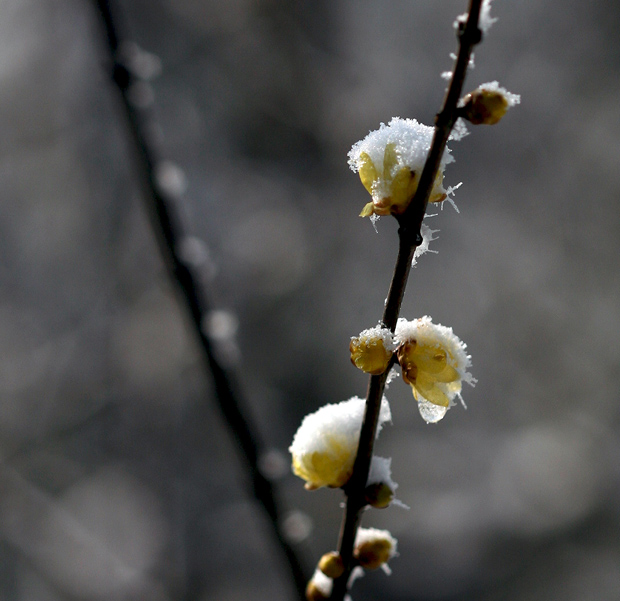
[410, 222]
[170, 236]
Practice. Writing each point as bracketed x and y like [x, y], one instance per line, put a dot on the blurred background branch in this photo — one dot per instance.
[172, 242]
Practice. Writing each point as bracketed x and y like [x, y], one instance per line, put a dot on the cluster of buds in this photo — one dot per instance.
[373, 549]
[390, 160]
[434, 363]
[433, 360]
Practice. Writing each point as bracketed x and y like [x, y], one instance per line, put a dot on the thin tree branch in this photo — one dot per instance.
[409, 238]
[170, 235]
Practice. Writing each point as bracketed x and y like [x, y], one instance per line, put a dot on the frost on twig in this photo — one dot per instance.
[427, 238]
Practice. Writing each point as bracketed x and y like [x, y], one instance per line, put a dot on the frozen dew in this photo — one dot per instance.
[356, 573]
[484, 22]
[296, 526]
[373, 220]
[391, 377]
[459, 131]
[449, 193]
[427, 238]
[170, 178]
[431, 413]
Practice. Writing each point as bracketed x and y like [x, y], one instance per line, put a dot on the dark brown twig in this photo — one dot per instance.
[409, 238]
[170, 234]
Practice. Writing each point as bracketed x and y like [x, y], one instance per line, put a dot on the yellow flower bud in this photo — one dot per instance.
[331, 564]
[314, 593]
[379, 495]
[319, 587]
[372, 350]
[487, 104]
[380, 487]
[374, 548]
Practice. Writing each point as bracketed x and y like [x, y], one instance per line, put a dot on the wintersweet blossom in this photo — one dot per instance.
[372, 350]
[374, 548]
[390, 160]
[434, 363]
[325, 445]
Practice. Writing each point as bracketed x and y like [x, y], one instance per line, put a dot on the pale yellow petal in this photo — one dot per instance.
[428, 388]
[390, 160]
[367, 170]
[368, 210]
[400, 189]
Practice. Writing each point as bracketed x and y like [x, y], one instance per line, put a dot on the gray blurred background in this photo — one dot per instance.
[118, 478]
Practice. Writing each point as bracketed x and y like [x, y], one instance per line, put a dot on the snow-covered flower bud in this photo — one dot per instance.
[379, 495]
[372, 350]
[331, 564]
[487, 104]
[434, 363]
[374, 548]
[325, 445]
[390, 160]
[380, 488]
[319, 587]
